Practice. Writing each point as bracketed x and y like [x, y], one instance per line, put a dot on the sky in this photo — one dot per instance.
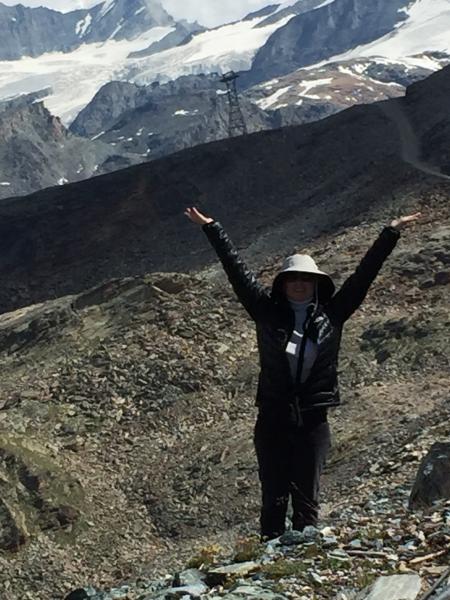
[207, 12]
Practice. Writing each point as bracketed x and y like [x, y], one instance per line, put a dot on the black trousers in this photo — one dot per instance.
[291, 460]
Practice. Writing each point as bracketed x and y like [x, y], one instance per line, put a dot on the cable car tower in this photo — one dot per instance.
[236, 124]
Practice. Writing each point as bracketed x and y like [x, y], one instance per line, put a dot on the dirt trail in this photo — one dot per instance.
[411, 147]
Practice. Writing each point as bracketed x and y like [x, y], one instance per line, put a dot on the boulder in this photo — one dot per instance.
[433, 479]
[219, 575]
[394, 587]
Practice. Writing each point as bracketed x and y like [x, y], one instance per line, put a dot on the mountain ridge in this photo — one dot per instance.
[35, 31]
[122, 215]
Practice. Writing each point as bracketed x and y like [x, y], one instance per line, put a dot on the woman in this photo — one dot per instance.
[299, 324]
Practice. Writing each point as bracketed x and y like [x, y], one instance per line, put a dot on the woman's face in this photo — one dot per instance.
[299, 287]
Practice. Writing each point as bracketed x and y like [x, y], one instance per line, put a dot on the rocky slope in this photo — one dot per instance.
[37, 151]
[157, 120]
[132, 222]
[126, 423]
[313, 93]
[139, 123]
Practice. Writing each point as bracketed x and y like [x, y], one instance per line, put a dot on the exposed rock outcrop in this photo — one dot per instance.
[322, 33]
[33, 31]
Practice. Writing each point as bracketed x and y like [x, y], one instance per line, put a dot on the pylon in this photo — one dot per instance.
[236, 124]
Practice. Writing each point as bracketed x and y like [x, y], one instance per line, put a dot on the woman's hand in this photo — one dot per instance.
[402, 222]
[197, 217]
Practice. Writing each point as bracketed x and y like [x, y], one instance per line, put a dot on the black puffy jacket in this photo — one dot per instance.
[278, 394]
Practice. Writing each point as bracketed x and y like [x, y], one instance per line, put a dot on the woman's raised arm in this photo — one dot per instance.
[354, 289]
[250, 292]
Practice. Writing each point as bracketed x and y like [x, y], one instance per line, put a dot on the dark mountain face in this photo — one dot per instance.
[157, 120]
[126, 19]
[34, 31]
[37, 151]
[322, 33]
[125, 124]
[64, 239]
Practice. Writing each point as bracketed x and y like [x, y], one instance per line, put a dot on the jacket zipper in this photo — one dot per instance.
[298, 375]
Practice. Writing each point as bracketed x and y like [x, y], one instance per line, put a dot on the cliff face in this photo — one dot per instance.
[322, 33]
[33, 31]
[157, 120]
[37, 151]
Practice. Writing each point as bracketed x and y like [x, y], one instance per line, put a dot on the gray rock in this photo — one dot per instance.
[444, 595]
[291, 538]
[309, 534]
[394, 587]
[178, 593]
[253, 592]
[189, 577]
[82, 594]
[219, 575]
[433, 478]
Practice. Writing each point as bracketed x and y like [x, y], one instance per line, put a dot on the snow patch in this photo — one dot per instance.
[309, 85]
[82, 26]
[107, 6]
[184, 113]
[97, 136]
[5, 183]
[269, 84]
[62, 181]
[427, 28]
[117, 29]
[345, 70]
[269, 102]
[324, 4]
[139, 10]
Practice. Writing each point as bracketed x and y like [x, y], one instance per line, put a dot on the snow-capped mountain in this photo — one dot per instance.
[349, 29]
[310, 59]
[136, 41]
[76, 76]
[35, 31]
